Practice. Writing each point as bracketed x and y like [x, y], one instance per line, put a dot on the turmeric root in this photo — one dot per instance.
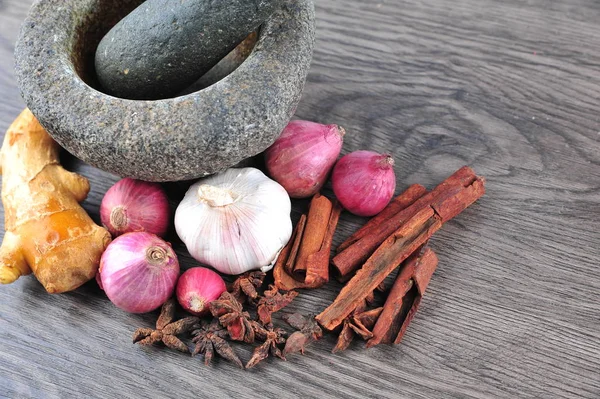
[47, 231]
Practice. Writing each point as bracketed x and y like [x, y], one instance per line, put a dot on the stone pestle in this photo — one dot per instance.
[163, 46]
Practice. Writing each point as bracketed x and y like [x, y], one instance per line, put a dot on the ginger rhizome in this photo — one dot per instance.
[47, 231]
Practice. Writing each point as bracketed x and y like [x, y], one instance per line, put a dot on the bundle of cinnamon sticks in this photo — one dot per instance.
[304, 262]
[394, 239]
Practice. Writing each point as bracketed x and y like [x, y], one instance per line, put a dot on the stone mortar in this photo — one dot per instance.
[164, 140]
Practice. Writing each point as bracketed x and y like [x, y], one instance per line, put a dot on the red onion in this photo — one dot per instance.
[138, 272]
[197, 287]
[302, 157]
[135, 205]
[364, 182]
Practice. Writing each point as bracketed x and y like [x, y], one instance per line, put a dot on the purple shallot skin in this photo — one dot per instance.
[303, 156]
[364, 182]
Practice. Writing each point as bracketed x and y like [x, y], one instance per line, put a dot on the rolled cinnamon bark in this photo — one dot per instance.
[316, 228]
[401, 202]
[400, 245]
[304, 261]
[404, 298]
[295, 241]
[317, 265]
[351, 258]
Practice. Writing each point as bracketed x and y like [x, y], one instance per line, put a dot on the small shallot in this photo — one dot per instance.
[135, 205]
[364, 182]
[302, 157]
[197, 287]
[138, 272]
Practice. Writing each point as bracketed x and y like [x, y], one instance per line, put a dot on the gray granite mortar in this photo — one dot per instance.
[164, 140]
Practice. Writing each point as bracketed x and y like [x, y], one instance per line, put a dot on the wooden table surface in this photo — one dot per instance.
[511, 88]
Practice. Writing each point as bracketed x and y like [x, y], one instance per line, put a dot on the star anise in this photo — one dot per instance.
[231, 315]
[309, 331]
[272, 337]
[210, 338]
[166, 329]
[244, 287]
[358, 322]
[273, 301]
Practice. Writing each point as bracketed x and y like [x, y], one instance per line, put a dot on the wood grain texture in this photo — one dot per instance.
[511, 88]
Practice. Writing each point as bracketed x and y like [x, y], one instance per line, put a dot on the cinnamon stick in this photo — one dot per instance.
[398, 246]
[296, 240]
[317, 265]
[316, 228]
[398, 204]
[404, 298]
[350, 259]
[385, 259]
[310, 245]
[283, 280]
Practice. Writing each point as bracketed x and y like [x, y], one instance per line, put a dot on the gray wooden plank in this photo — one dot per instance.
[511, 88]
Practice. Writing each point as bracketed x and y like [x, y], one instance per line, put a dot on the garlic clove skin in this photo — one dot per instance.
[235, 221]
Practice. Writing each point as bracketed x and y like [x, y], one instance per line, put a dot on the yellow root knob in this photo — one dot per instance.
[47, 231]
[9, 275]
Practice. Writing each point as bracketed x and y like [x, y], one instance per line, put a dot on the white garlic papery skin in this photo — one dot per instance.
[235, 221]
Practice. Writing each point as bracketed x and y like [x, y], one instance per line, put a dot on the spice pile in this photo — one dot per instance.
[395, 239]
[231, 322]
[238, 223]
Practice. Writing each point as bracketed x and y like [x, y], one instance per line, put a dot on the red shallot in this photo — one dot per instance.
[197, 287]
[138, 272]
[302, 157]
[364, 182]
[135, 205]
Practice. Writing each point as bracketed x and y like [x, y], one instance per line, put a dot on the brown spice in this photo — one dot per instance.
[354, 255]
[245, 287]
[317, 272]
[404, 298]
[370, 299]
[166, 329]
[232, 316]
[398, 246]
[316, 227]
[297, 240]
[309, 331]
[272, 338]
[391, 253]
[398, 204]
[273, 301]
[308, 259]
[358, 323]
[210, 338]
[361, 323]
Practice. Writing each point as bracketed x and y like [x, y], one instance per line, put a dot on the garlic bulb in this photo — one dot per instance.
[235, 221]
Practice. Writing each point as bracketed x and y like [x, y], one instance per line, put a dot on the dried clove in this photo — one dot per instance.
[273, 301]
[210, 338]
[166, 329]
[231, 315]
